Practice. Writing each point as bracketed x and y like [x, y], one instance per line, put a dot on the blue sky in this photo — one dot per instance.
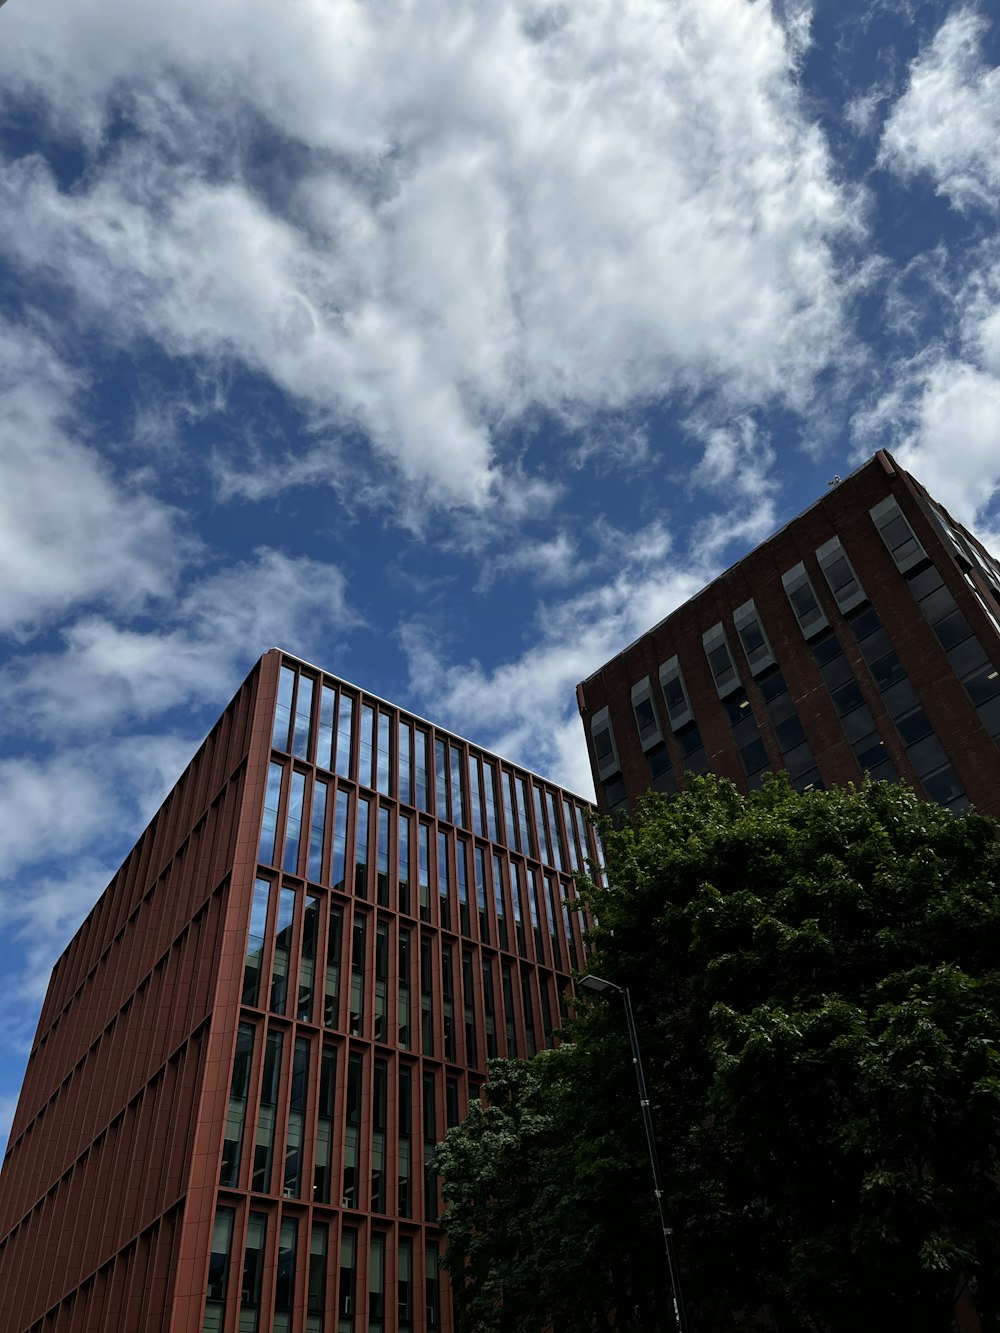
[449, 346]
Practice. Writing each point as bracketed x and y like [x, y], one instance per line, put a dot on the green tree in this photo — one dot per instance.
[817, 988]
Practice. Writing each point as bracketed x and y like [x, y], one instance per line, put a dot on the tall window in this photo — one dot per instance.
[255, 942]
[296, 1119]
[263, 1153]
[218, 1270]
[239, 1086]
[284, 1279]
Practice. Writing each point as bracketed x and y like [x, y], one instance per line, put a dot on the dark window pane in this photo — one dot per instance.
[689, 739]
[826, 647]
[789, 734]
[887, 671]
[925, 582]
[968, 657]
[797, 761]
[754, 756]
[847, 697]
[899, 698]
[985, 685]
[927, 756]
[937, 604]
[602, 744]
[954, 629]
[864, 622]
[943, 786]
[913, 726]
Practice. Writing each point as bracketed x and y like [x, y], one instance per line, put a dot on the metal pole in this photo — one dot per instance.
[647, 1120]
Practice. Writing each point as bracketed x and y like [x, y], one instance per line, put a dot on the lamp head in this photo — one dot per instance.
[598, 985]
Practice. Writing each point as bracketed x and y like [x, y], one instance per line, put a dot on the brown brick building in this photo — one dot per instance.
[284, 997]
[863, 637]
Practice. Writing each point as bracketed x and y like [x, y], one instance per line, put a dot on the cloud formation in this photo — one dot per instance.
[443, 221]
[947, 123]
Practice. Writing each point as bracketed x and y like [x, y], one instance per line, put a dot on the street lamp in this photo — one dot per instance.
[601, 987]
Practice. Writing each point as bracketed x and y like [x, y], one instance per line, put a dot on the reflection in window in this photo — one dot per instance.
[479, 859]
[269, 825]
[426, 996]
[322, 1169]
[430, 1139]
[516, 883]
[404, 1284]
[490, 781]
[458, 811]
[404, 740]
[282, 951]
[441, 780]
[296, 1120]
[284, 1280]
[383, 764]
[317, 828]
[382, 858]
[303, 714]
[424, 870]
[338, 867]
[543, 832]
[293, 825]
[239, 1086]
[263, 1153]
[490, 1008]
[361, 850]
[345, 727]
[380, 1097]
[255, 942]
[403, 1037]
[334, 943]
[513, 835]
[403, 862]
[433, 1286]
[366, 770]
[348, 1280]
[448, 1000]
[462, 869]
[283, 709]
[357, 1009]
[499, 901]
[352, 1133]
[218, 1270]
[381, 1013]
[253, 1273]
[524, 823]
[376, 1283]
[404, 1163]
[444, 880]
[324, 734]
[527, 1000]
[469, 1005]
[420, 769]
[507, 976]
[316, 1290]
[307, 963]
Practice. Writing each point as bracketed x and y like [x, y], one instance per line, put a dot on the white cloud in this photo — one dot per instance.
[583, 208]
[940, 413]
[108, 673]
[525, 707]
[70, 531]
[947, 123]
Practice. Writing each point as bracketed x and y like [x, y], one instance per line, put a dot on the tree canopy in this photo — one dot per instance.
[816, 980]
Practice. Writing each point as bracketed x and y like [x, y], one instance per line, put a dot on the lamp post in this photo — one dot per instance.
[601, 987]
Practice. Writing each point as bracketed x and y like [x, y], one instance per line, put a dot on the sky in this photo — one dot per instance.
[449, 346]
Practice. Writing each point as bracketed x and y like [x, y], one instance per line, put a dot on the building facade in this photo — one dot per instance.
[862, 638]
[281, 1002]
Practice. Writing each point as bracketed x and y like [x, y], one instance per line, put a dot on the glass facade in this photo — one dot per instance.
[403, 923]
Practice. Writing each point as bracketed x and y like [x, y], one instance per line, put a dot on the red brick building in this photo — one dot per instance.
[862, 638]
[285, 996]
